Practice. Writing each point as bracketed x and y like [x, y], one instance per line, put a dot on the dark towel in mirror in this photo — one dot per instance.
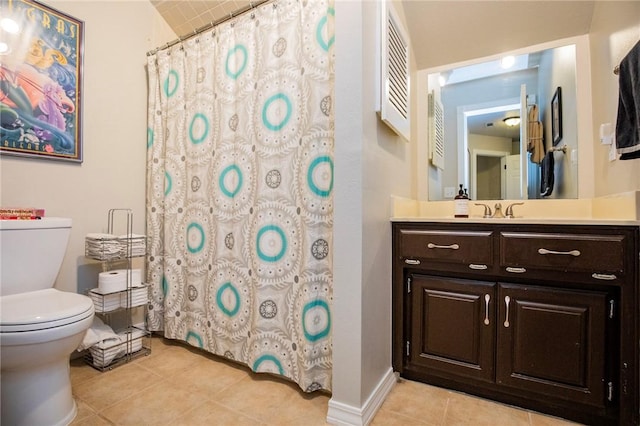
[546, 181]
[628, 122]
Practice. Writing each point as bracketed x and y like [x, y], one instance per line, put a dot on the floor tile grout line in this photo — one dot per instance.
[119, 400]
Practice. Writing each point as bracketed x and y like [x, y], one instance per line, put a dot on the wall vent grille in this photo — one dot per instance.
[436, 131]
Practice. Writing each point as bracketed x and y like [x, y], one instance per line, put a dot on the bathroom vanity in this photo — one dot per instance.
[542, 316]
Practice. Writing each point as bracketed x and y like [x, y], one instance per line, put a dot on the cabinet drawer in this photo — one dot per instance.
[563, 252]
[469, 247]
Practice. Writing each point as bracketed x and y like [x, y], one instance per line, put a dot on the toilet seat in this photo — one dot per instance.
[42, 309]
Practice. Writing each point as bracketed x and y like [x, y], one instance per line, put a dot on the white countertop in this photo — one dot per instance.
[522, 220]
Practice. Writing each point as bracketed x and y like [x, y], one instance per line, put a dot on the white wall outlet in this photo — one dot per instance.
[449, 192]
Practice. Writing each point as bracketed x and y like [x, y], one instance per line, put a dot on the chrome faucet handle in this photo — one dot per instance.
[498, 213]
[509, 212]
[487, 210]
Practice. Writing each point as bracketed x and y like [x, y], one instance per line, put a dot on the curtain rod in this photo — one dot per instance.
[252, 5]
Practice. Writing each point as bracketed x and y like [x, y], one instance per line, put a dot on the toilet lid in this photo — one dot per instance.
[37, 310]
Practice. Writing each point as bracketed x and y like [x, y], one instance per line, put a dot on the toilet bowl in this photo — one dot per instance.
[39, 328]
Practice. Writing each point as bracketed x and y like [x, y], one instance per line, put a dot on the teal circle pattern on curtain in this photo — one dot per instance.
[169, 89]
[168, 183]
[194, 336]
[322, 24]
[165, 286]
[223, 291]
[270, 106]
[316, 320]
[268, 358]
[195, 232]
[227, 177]
[233, 55]
[320, 181]
[197, 119]
[150, 137]
[265, 239]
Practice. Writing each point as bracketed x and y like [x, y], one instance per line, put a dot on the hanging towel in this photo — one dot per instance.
[628, 123]
[535, 146]
[546, 183]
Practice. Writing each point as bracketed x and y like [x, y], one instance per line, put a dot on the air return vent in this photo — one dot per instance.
[394, 63]
[436, 131]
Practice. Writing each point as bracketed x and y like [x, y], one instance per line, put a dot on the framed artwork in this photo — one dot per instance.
[556, 117]
[41, 53]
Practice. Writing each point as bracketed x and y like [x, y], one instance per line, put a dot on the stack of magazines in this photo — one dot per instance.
[21, 213]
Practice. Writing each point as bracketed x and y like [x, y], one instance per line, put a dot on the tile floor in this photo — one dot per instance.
[180, 385]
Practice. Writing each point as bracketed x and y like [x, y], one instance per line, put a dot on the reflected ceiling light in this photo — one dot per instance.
[512, 121]
[9, 25]
[4, 48]
[507, 62]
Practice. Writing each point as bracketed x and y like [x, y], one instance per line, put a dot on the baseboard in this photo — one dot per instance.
[343, 414]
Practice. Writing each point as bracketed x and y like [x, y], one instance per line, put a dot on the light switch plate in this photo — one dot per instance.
[606, 134]
[449, 192]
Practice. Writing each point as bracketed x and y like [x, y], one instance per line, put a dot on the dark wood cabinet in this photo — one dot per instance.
[552, 341]
[451, 326]
[544, 317]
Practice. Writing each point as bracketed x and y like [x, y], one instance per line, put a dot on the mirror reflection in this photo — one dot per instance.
[498, 126]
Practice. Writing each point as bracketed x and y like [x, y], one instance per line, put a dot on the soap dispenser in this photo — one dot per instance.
[461, 204]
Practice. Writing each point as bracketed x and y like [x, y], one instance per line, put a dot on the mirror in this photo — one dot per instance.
[496, 158]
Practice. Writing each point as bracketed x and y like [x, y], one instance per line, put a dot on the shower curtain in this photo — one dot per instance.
[239, 190]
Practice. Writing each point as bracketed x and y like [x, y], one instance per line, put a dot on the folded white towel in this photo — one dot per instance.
[128, 342]
[99, 332]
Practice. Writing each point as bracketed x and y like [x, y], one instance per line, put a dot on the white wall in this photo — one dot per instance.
[371, 163]
[388, 162]
[615, 29]
[117, 36]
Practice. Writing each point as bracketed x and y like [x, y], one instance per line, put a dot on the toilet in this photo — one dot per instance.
[40, 326]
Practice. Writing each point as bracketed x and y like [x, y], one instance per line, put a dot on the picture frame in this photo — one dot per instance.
[556, 117]
[41, 74]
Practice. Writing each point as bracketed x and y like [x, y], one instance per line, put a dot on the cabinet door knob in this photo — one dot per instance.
[450, 246]
[516, 270]
[574, 253]
[487, 298]
[412, 261]
[507, 299]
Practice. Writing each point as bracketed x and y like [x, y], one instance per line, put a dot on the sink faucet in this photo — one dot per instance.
[509, 211]
[487, 210]
[498, 212]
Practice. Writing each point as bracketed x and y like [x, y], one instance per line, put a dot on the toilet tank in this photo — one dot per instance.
[31, 253]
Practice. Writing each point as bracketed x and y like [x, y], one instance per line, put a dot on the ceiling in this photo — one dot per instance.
[186, 16]
[447, 31]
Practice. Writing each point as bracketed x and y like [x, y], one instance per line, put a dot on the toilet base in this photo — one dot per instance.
[39, 395]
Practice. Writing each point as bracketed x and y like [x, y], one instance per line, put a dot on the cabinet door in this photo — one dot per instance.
[452, 328]
[552, 342]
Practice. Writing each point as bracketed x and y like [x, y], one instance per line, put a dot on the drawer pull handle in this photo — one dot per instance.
[574, 253]
[436, 246]
[487, 298]
[507, 299]
[412, 261]
[516, 270]
[607, 277]
[477, 267]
